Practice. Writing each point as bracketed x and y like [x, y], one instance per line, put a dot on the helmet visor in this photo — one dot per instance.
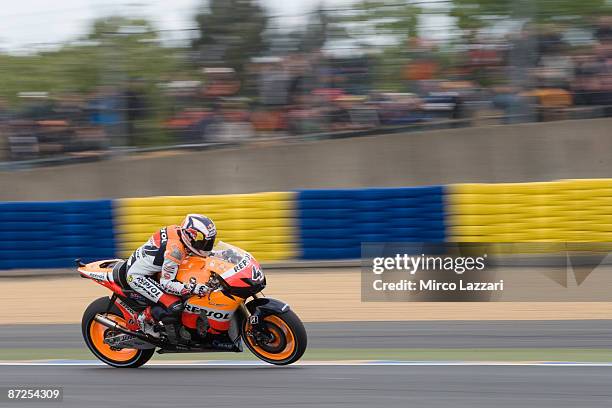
[204, 245]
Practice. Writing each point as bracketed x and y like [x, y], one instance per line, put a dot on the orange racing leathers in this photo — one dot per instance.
[162, 253]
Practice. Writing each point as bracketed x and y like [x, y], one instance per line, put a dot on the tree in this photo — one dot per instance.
[231, 32]
[133, 48]
[115, 49]
[382, 27]
[316, 33]
[368, 21]
[474, 14]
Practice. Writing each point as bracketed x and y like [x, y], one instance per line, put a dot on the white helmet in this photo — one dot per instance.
[198, 233]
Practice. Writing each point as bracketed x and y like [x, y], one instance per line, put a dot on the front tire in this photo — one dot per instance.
[289, 339]
[94, 334]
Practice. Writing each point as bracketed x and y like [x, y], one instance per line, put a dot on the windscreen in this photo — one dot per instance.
[229, 253]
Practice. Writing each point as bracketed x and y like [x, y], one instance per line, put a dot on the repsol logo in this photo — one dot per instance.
[212, 314]
[149, 287]
[97, 276]
[243, 263]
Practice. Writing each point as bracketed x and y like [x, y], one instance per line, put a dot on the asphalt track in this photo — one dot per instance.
[381, 335]
[323, 386]
[437, 385]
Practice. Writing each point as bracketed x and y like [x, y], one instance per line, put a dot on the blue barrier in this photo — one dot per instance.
[53, 234]
[333, 223]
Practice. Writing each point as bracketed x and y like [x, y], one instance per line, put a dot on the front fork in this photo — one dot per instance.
[244, 308]
[258, 331]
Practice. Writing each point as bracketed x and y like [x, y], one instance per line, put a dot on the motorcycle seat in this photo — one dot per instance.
[119, 274]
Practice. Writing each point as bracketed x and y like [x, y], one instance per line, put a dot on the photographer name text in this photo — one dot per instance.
[436, 286]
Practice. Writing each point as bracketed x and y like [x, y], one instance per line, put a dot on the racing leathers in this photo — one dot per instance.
[163, 254]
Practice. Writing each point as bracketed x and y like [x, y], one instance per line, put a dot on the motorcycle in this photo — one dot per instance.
[220, 321]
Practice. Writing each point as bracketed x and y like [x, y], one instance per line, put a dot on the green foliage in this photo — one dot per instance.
[70, 69]
[316, 33]
[231, 32]
[116, 50]
[367, 19]
[365, 22]
[472, 14]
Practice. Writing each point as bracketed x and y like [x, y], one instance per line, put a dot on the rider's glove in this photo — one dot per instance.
[200, 289]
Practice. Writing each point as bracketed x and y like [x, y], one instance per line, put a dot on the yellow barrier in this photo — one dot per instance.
[557, 211]
[261, 223]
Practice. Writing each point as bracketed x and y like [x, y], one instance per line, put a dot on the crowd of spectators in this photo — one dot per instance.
[69, 124]
[530, 75]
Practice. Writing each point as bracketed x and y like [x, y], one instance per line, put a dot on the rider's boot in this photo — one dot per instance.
[146, 323]
[171, 320]
[173, 332]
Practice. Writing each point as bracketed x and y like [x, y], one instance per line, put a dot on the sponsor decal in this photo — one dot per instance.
[191, 232]
[148, 286]
[243, 263]
[130, 278]
[170, 266]
[211, 314]
[254, 319]
[163, 234]
[126, 307]
[126, 340]
[97, 276]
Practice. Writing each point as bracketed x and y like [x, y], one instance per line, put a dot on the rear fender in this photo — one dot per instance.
[112, 286]
[97, 272]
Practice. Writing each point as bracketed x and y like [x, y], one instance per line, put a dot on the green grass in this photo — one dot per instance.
[494, 354]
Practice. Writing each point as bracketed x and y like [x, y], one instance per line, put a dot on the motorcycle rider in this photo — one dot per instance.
[163, 254]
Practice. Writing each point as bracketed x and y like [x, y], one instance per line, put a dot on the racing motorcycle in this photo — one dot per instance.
[220, 321]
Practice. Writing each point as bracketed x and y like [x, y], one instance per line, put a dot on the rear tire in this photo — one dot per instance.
[290, 339]
[93, 334]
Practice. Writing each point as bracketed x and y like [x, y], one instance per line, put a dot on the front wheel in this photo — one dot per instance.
[94, 334]
[288, 339]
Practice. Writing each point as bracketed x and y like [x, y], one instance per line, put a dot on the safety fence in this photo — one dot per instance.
[263, 223]
[558, 211]
[312, 224]
[332, 224]
[53, 234]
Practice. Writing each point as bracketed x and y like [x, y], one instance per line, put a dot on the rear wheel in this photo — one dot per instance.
[287, 341]
[94, 334]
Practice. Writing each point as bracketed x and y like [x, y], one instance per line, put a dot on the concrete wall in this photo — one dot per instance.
[527, 152]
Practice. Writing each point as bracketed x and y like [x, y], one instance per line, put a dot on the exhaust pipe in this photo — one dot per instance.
[112, 324]
[116, 326]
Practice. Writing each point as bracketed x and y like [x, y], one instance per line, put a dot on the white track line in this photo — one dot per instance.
[209, 363]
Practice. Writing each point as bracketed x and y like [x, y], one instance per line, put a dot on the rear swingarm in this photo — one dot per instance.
[116, 326]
